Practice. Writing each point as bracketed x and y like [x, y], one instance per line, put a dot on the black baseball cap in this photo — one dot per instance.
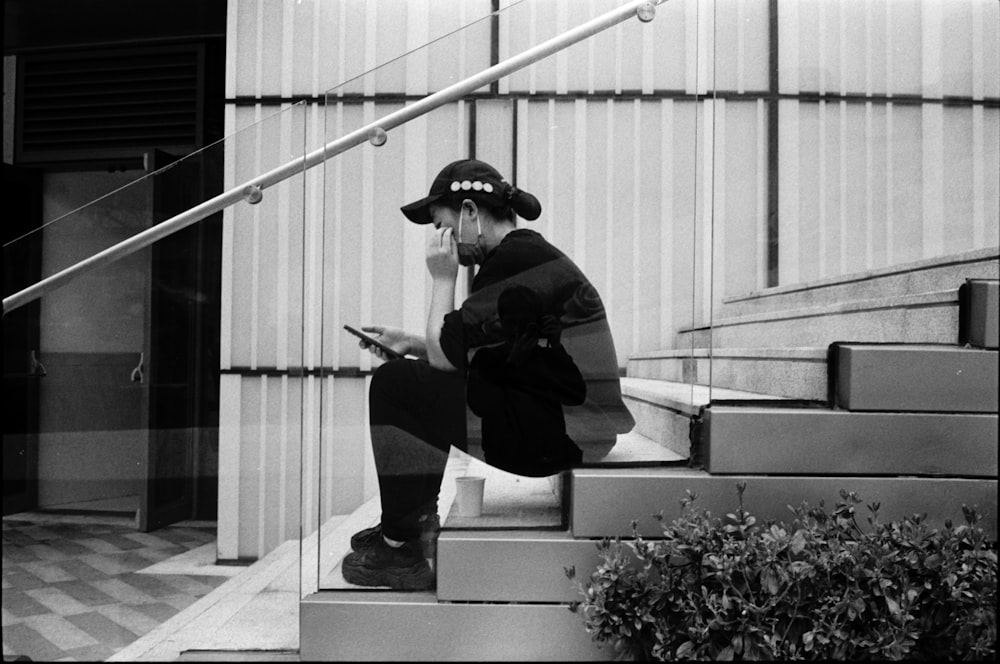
[476, 179]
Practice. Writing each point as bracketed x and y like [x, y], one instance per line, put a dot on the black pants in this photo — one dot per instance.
[416, 414]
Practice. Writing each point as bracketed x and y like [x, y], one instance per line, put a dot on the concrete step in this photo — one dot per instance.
[921, 377]
[979, 323]
[663, 409]
[922, 318]
[798, 373]
[510, 503]
[510, 565]
[359, 626]
[514, 502]
[820, 441]
[902, 280]
[604, 502]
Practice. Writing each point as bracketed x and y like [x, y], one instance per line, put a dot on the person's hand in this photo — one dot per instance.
[442, 254]
[393, 337]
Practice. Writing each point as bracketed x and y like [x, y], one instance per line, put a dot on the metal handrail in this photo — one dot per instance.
[375, 132]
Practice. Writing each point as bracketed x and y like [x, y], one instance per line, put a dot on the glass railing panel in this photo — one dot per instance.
[615, 157]
[135, 392]
[869, 158]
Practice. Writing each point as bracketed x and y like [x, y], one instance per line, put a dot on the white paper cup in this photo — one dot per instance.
[469, 495]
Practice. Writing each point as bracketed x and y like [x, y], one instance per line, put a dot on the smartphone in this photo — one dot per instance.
[390, 353]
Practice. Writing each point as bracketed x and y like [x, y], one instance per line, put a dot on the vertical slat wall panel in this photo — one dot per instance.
[263, 310]
[741, 160]
[495, 141]
[357, 224]
[230, 444]
[867, 184]
[314, 257]
[718, 193]
[249, 467]
[618, 196]
[788, 198]
[618, 59]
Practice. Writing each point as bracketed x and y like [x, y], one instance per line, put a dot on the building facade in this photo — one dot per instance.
[724, 149]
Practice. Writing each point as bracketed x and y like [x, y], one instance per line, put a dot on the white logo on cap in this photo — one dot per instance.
[475, 186]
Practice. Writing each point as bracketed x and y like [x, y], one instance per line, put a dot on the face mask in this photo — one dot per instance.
[469, 253]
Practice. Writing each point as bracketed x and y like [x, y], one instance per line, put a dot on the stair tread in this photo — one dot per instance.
[493, 534]
[684, 397]
[510, 501]
[890, 302]
[352, 595]
[949, 295]
[818, 353]
[894, 347]
[635, 448]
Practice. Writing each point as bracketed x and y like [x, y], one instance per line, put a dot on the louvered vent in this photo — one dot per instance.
[108, 105]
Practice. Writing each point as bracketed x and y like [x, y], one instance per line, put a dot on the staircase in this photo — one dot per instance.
[886, 386]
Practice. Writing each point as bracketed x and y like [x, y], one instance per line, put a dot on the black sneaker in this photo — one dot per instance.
[402, 568]
[430, 527]
[364, 540]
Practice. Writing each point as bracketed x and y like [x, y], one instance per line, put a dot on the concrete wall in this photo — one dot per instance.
[652, 147]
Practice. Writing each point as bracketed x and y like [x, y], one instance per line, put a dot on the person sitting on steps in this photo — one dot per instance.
[418, 408]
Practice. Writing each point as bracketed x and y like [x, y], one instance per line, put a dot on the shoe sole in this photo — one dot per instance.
[418, 577]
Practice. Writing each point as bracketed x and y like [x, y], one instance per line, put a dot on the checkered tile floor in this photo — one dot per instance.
[73, 591]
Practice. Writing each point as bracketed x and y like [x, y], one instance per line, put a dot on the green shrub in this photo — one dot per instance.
[818, 587]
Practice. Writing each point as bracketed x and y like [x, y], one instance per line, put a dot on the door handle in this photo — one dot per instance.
[137, 374]
[37, 368]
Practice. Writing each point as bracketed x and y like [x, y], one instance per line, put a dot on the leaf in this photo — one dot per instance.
[798, 543]
[769, 579]
[725, 655]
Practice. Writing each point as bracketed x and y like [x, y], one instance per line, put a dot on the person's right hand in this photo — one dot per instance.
[393, 337]
[442, 254]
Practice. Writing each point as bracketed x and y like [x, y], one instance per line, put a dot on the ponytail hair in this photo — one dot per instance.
[522, 202]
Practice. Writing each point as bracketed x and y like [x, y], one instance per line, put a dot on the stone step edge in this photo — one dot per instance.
[932, 298]
[807, 353]
[816, 353]
[962, 258]
[684, 398]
